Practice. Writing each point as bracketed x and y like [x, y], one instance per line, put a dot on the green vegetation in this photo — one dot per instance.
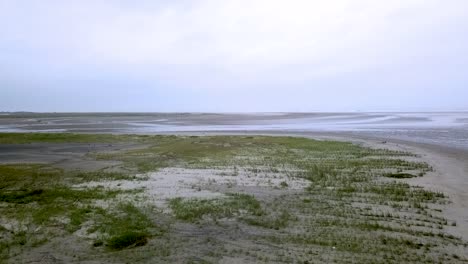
[276, 222]
[356, 205]
[43, 202]
[49, 196]
[21, 176]
[399, 175]
[232, 205]
[126, 226]
[28, 176]
[126, 239]
[81, 177]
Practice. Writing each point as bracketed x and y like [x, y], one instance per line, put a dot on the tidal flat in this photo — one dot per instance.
[102, 198]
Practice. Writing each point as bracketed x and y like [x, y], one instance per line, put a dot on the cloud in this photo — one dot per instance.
[329, 36]
[229, 44]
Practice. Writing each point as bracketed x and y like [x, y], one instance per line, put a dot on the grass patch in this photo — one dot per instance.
[276, 222]
[30, 179]
[125, 226]
[195, 209]
[25, 138]
[23, 176]
[20, 197]
[127, 239]
[41, 199]
[57, 194]
[399, 175]
[81, 177]
[349, 209]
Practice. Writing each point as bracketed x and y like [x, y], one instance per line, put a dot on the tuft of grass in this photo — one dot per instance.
[125, 226]
[79, 216]
[127, 239]
[283, 184]
[234, 204]
[271, 222]
[101, 176]
[399, 175]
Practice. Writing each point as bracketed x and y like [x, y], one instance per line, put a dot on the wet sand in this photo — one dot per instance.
[444, 129]
[66, 156]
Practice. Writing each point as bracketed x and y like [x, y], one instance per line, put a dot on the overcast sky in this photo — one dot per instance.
[234, 55]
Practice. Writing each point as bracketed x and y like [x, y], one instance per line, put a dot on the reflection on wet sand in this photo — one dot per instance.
[447, 129]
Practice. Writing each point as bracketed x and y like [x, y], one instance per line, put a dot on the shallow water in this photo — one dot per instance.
[445, 129]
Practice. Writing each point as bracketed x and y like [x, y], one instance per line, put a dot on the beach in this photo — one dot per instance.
[221, 190]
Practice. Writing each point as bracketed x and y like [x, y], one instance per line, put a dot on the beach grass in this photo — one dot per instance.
[356, 205]
[232, 205]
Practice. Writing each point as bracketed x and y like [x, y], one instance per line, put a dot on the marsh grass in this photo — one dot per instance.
[357, 205]
[399, 175]
[51, 213]
[20, 176]
[36, 176]
[124, 226]
[25, 138]
[127, 239]
[96, 176]
[271, 221]
[40, 197]
[233, 205]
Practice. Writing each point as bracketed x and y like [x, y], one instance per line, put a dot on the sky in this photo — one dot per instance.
[233, 55]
